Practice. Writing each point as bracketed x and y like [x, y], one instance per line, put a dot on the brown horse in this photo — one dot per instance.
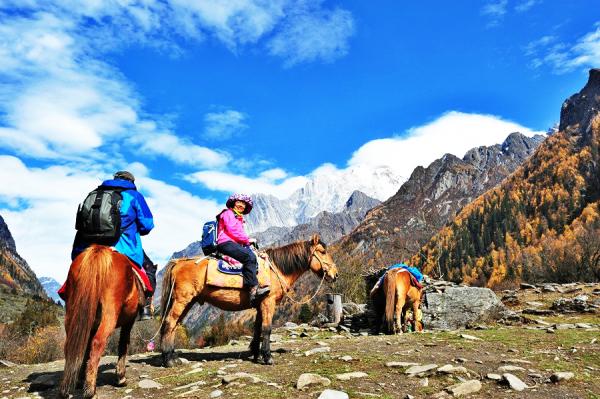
[102, 293]
[399, 295]
[184, 284]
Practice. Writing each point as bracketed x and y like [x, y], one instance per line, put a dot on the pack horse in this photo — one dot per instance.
[185, 283]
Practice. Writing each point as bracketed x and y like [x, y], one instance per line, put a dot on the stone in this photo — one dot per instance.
[333, 394]
[507, 368]
[564, 326]
[351, 376]
[518, 361]
[561, 376]
[514, 382]
[217, 393]
[43, 382]
[583, 325]
[322, 349]
[470, 337]
[6, 364]
[307, 379]
[458, 307]
[229, 378]
[400, 364]
[275, 338]
[450, 369]
[464, 388]
[346, 358]
[525, 286]
[494, 377]
[424, 382]
[415, 370]
[289, 324]
[149, 384]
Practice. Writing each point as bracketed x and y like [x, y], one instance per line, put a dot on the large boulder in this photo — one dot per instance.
[458, 307]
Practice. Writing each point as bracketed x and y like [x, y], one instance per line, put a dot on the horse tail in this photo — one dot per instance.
[84, 294]
[389, 285]
[167, 287]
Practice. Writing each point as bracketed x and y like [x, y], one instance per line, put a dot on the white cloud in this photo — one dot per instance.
[274, 174]
[526, 5]
[311, 34]
[453, 132]
[495, 10]
[563, 58]
[43, 203]
[229, 182]
[223, 125]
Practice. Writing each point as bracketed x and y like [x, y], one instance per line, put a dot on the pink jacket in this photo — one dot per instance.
[231, 228]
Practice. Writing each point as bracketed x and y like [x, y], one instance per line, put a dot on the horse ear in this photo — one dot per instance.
[315, 239]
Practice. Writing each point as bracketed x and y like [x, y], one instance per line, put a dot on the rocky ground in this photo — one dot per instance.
[553, 353]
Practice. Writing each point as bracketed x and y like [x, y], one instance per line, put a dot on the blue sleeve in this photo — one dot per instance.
[145, 221]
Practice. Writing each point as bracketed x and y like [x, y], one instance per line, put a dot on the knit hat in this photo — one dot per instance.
[124, 175]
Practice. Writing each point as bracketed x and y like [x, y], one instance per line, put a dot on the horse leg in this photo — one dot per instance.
[417, 325]
[97, 346]
[255, 343]
[167, 341]
[267, 308]
[123, 345]
[400, 299]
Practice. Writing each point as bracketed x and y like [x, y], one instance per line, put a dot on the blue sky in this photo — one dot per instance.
[201, 98]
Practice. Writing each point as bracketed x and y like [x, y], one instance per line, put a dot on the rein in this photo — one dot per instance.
[286, 288]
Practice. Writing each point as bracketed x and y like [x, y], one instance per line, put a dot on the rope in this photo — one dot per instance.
[162, 322]
[285, 287]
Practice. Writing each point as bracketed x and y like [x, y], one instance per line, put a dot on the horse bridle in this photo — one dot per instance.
[324, 265]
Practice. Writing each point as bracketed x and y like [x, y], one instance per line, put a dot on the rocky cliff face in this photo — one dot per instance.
[328, 189]
[431, 196]
[15, 273]
[331, 226]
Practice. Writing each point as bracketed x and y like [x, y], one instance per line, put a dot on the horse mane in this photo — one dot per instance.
[292, 258]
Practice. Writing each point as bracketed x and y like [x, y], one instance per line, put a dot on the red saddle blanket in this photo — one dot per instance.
[139, 272]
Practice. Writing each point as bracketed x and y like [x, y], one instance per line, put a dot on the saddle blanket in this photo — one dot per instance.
[221, 273]
[139, 272]
[413, 279]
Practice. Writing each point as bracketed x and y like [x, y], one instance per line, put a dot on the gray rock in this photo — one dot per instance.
[275, 338]
[494, 377]
[308, 379]
[241, 376]
[458, 307]
[351, 376]
[450, 369]
[514, 382]
[332, 394]
[416, 370]
[217, 393]
[289, 324]
[149, 384]
[561, 376]
[507, 368]
[43, 382]
[322, 349]
[346, 358]
[6, 364]
[464, 388]
[400, 364]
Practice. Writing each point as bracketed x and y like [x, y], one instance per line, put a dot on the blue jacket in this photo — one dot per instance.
[136, 221]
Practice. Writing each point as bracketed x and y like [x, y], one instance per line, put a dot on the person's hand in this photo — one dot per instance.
[253, 242]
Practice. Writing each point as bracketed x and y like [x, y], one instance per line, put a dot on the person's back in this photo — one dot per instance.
[136, 220]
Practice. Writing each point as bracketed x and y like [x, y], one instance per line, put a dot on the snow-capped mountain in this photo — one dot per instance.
[327, 190]
[51, 286]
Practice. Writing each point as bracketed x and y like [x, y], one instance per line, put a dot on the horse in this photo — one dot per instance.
[102, 293]
[399, 294]
[184, 284]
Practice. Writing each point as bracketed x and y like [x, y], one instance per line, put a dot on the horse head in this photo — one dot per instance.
[321, 262]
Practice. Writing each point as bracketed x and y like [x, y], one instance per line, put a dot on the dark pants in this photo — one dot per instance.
[246, 256]
[150, 269]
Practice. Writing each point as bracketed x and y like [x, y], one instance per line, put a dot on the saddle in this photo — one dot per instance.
[226, 272]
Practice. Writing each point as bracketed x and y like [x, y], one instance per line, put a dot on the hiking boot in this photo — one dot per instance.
[146, 311]
[257, 293]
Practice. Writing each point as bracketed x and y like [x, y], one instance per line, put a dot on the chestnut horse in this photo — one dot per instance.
[399, 295]
[102, 293]
[184, 284]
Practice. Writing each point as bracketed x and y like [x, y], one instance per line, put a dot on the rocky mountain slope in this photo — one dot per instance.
[331, 226]
[541, 223]
[15, 273]
[328, 189]
[431, 196]
[51, 287]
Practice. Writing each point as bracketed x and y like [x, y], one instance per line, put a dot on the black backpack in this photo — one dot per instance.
[99, 216]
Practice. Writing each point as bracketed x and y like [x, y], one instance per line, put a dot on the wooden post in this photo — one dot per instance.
[334, 308]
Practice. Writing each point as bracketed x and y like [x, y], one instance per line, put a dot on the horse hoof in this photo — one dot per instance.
[122, 382]
[269, 361]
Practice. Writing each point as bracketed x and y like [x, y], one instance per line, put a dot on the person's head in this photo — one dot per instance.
[124, 175]
[240, 203]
